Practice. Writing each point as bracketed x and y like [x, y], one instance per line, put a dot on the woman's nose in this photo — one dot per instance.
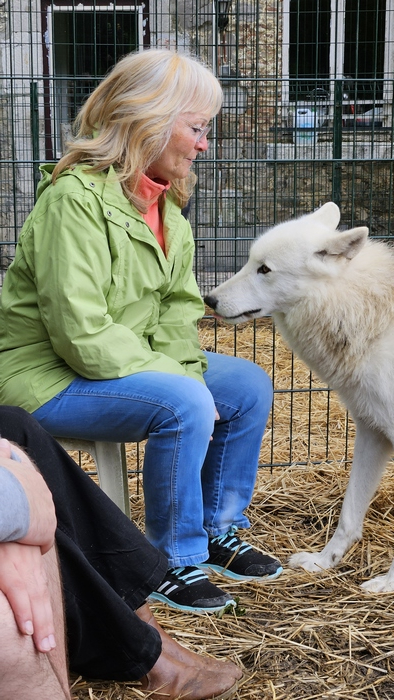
[202, 144]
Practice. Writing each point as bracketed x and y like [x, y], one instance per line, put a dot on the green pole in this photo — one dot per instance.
[337, 143]
[34, 121]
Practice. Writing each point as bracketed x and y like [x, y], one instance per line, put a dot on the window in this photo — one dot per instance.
[309, 47]
[363, 57]
[349, 40]
[83, 43]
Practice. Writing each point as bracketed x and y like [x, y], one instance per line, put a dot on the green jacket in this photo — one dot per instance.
[91, 293]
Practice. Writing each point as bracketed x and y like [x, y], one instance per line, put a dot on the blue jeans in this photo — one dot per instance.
[193, 486]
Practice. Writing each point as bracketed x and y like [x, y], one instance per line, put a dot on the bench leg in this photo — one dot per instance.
[110, 460]
[113, 480]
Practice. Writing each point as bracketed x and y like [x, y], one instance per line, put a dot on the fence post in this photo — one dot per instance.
[34, 122]
[337, 143]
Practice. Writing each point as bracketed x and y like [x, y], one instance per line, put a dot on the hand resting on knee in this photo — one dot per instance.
[22, 569]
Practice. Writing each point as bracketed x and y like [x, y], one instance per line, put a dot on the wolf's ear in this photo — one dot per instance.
[328, 214]
[347, 243]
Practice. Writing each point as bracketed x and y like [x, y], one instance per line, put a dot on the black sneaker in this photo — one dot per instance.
[188, 588]
[230, 556]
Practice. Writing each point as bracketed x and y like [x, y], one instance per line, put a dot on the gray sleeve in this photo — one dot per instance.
[14, 508]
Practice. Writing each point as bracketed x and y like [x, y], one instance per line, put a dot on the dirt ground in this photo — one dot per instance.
[302, 636]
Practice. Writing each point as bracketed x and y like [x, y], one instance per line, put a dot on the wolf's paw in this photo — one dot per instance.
[307, 560]
[379, 584]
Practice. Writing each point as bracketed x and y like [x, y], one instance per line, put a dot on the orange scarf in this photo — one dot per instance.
[151, 190]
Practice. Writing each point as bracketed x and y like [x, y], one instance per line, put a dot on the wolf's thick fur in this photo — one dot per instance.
[331, 294]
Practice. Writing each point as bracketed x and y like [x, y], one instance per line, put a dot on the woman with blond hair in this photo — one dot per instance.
[100, 310]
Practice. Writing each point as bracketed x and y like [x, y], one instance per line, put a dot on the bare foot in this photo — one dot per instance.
[179, 672]
[171, 679]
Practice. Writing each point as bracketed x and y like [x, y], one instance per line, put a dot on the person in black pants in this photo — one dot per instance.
[105, 570]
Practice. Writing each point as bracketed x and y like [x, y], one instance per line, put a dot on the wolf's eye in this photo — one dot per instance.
[263, 269]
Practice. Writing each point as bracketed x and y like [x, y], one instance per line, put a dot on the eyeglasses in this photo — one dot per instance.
[201, 131]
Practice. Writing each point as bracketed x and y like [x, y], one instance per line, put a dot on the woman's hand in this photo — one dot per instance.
[42, 526]
[23, 581]
[217, 417]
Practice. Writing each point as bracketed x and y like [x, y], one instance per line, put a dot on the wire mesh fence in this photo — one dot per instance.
[307, 117]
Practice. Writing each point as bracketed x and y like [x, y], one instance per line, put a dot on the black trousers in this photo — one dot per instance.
[108, 567]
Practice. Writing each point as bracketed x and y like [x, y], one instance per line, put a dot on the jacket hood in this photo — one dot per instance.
[82, 173]
[46, 177]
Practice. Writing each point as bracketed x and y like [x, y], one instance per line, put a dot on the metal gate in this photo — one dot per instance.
[307, 117]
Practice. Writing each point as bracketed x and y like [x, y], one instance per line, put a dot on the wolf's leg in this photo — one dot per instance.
[371, 452]
[380, 584]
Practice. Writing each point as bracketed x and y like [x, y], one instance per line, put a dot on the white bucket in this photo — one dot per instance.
[305, 127]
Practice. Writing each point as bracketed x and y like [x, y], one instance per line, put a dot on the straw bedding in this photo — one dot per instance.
[303, 636]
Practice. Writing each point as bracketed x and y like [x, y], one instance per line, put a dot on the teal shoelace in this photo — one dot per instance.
[190, 576]
[231, 541]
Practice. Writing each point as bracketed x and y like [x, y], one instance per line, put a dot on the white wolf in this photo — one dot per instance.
[331, 294]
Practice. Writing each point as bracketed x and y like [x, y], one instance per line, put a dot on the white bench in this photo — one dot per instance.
[110, 460]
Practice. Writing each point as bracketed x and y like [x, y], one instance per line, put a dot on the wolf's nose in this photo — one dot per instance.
[211, 301]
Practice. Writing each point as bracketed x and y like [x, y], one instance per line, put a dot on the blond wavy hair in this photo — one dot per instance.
[128, 119]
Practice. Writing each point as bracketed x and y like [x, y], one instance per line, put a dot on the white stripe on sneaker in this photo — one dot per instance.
[164, 588]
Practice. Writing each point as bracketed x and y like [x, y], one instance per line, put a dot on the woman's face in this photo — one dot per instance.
[182, 149]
